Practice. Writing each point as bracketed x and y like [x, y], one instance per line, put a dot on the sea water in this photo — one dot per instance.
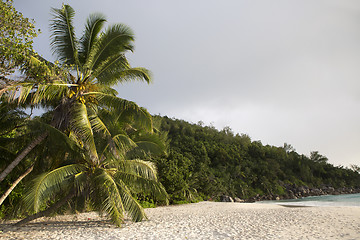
[322, 201]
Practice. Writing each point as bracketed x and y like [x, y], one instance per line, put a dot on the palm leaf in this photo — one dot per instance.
[113, 120]
[24, 92]
[115, 40]
[123, 142]
[116, 103]
[131, 205]
[116, 69]
[145, 169]
[81, 181]
[106, 90]
[137, 73]
[93, 26]
[149, 143]
[112, 200]
[143, 185]
[116, 149]
[80, 125]
[98, 125]
[141, 117]
[32, 93]
[50, 93]
[109, 71]
[48, 184]
[63, 41]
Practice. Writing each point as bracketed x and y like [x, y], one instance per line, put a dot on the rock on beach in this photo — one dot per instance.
[204, 220]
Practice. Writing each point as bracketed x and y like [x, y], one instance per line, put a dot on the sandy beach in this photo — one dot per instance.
[204, 220]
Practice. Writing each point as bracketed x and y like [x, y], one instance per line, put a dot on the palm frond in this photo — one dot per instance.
[50, 92]
[145, 169]
[98, 125]
[116, 69]
[23, 92]
[112, 120]
[115, 151]
[80, 125]
[81, 182]
[48, 184]
[141, 117]
[108, 72]
[106, 90]
[150, 143]
[94, 24]
[63, 41]
[143, 185]
[30, 93]
[115, 40]
[123, 142]
[131, 205]
[136, 73]
[112, 202]
[116, 103]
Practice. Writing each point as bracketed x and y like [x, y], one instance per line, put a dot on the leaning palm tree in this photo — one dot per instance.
[81, 80]
[108, 184]
[80, 98]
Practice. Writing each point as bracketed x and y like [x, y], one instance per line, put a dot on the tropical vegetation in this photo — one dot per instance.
[102, 133]
[92, 150]
[206, 163]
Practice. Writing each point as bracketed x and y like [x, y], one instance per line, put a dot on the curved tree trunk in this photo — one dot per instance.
[6, 194]
[22, 155]
[48, 211]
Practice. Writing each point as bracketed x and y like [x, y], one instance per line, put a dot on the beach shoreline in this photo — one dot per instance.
[203, 220]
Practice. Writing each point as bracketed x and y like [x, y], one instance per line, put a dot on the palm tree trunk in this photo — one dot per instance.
[6, 194]
[22, 155]
[48, 211]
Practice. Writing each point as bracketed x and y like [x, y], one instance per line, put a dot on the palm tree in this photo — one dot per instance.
[108, 184]
[78, 93]
[106, 128]
[82, 79]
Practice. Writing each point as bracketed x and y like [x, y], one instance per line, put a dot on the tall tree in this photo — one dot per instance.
[81, 81]
[79, 92]
[109, 183]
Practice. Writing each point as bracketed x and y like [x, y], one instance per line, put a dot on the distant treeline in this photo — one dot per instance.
[205, 163]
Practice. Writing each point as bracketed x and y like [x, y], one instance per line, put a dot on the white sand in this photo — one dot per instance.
[204, 220]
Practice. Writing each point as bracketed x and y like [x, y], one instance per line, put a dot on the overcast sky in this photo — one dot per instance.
[279, 71]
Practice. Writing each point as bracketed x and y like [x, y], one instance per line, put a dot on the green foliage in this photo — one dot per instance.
[109, 184]
[98, 143]
[211, 163]
[101, 137]
[147, 202]
[16, 34]
[14, 134]
[316, 157]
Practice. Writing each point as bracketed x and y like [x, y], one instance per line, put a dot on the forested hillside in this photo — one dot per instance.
[203, 161]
